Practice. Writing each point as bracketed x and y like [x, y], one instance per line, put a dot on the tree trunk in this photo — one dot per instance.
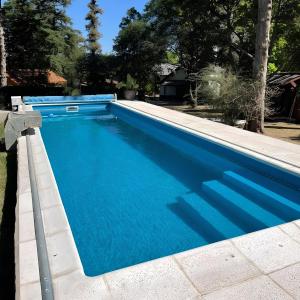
[260, 63]
[3, 74]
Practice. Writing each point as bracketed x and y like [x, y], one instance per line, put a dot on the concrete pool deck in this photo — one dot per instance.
[260, 265]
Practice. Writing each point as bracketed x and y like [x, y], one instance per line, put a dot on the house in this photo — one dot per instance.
[173, 82]
[25, 77]
[287, 103]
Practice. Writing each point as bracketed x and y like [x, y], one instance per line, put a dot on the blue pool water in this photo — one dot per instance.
[135, 189]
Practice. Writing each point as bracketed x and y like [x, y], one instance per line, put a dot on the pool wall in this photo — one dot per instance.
[189, 142]
[254, 262]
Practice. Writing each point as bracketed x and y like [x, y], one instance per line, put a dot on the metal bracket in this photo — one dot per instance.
[17, 123]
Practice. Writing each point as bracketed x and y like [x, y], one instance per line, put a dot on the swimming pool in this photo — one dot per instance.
[135, 189]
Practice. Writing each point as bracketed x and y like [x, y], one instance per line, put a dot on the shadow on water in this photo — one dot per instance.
[195, 221]
[7, 229]
[186, 169]
[192, 174]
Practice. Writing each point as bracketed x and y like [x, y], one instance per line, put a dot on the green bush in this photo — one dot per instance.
[130, 84]
[233, 95]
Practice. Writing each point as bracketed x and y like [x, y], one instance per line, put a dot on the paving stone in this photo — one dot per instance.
[54, 220]
[269, 249]
[289, 279]
[44, 181]
[292, 230]
[28, 263]
[63, 255]
[76, 286]
[259, 288]
[41, 168]
[159, 279]
[297, 222]
[31, 291]
[25, 202]
[48, 198]
[26, 227]
[23, 183]
[215, 266]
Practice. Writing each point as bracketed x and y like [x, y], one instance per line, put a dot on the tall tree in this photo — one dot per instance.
[138, 49]
[39, 35]
[3, 75]
[189, 27]
[93, 46]
[260, 63]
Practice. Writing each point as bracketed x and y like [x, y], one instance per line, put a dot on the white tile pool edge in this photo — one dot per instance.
[253, 259]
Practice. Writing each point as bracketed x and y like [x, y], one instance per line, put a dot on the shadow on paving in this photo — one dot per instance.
[7, 228]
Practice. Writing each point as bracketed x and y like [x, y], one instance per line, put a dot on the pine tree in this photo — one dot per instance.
[93, 46]
[92, 27]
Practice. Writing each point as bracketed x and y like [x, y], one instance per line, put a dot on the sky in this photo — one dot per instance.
[114, 11]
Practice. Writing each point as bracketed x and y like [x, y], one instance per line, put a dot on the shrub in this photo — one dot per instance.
[231, 94]
[130, 84]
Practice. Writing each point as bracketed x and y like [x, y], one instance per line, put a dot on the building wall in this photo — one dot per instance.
[179, 75]
[167, 90]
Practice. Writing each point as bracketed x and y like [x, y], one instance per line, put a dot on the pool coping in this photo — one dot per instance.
[261, 262]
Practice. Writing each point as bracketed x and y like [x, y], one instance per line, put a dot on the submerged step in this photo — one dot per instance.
[292, 193]
[250, 215]
[209, 222]
[264, 196]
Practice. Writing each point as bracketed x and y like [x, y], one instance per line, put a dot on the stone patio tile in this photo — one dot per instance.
[297, 222]
[41, 168]
[37, 149]
[216, 266]
[292, 230]
[25, 202]
[30, 291]
[28, 262]
[44, 181]
[54, 220]
[23, 182]
[63, 257]
[76, 286]
[259, 288]
[159, 279]
[38, 157]
[26, 227]
[269, 249]
[48, 198]
[289, 279]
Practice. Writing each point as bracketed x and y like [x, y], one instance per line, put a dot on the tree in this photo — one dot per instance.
[189, 28]
[260, 63]
[39, 36]
[138, 49]
[3, 75]
[223, 32]
[284, 51]
[93, 46]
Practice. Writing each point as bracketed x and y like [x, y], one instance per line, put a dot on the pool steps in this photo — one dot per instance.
[277, 203]
[207, 213]
[267, 182]
[236, 206]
